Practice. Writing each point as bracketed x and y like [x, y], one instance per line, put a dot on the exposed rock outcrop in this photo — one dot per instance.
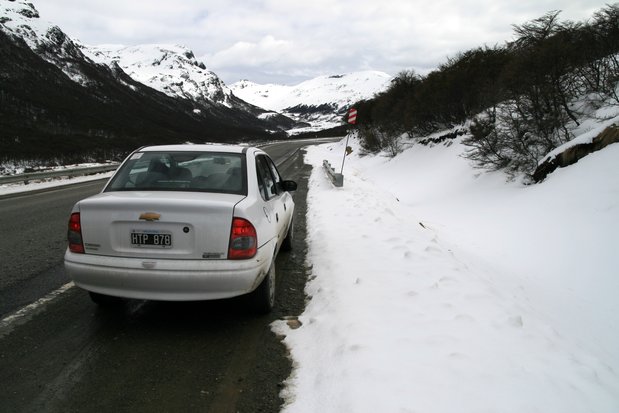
[572, 154]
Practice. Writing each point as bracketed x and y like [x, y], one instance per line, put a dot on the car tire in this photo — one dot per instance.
[287, 242]
[103, 300]
[263, 297]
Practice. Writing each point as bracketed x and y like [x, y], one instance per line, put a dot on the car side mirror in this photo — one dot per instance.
[288, 186]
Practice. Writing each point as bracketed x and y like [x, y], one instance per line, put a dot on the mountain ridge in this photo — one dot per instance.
[57, 103]
[321, 101]
[174, 70]
[62, 99]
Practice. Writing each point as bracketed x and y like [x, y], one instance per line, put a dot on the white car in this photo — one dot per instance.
[183, 222]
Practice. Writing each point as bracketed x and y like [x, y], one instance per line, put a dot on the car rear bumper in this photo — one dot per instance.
[170, 280]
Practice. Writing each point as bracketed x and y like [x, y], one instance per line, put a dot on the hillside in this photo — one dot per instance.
[174, 70]
[435, 287]
[321, 102]
[516, 102]
[57, 103]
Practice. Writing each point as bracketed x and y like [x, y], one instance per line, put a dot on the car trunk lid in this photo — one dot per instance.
[153, 224]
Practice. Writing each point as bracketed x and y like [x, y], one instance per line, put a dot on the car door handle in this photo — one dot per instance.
[266, 214]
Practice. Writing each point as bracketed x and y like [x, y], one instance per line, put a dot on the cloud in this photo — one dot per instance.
[271, 57]
[266, 51]
[288, 41]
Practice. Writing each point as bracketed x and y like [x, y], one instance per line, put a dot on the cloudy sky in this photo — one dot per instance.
[288, 41]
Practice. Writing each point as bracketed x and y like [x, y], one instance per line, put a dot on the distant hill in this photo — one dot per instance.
[320, 102]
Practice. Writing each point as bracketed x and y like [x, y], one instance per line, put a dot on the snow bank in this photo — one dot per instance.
[35, 185]
[590, 127]
[439, 289]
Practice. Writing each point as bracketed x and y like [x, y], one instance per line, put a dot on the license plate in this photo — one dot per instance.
[157, 239]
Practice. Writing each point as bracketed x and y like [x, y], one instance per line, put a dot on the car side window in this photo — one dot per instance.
[266, 182]
[276, 176]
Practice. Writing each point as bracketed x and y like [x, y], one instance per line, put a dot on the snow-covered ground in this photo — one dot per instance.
[438, 288]
[16, 188]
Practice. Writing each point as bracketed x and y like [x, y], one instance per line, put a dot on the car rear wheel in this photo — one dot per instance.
[263, 297]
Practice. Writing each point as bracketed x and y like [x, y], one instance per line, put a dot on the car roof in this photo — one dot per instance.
[198, 148]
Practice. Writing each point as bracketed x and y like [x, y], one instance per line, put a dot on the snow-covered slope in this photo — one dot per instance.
[22, 20]
[171, 69]
[174, 70]
[321, 101]
[437, 288]
[268, 96]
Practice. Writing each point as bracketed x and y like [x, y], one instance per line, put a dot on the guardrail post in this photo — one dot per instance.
[337, 179]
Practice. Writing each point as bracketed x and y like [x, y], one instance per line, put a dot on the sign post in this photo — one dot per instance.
[352, 119]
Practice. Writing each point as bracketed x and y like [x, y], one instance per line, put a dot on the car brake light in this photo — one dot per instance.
[243, 240]
[75, 234]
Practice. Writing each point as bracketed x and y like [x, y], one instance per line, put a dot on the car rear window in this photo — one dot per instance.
[182, 171]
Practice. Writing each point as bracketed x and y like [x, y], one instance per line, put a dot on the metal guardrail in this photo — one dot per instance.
[336, 178]
[26, 177]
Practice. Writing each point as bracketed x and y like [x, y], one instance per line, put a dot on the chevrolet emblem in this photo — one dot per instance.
[150, 216]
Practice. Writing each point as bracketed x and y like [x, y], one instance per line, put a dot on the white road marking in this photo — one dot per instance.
[25, 313]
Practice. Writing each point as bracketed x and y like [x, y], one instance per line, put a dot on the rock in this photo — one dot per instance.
[293, 322]
[572, 154]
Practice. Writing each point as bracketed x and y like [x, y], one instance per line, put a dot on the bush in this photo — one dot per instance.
[374, 140]
[525, 91]
[505, 137]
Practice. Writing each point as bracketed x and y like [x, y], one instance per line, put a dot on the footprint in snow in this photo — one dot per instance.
[434, 249]
[516, 321]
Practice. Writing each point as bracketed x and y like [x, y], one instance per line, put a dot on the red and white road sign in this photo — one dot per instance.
[352, 116]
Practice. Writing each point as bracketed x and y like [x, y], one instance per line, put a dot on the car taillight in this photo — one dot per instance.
[243, 240]
[75, 234]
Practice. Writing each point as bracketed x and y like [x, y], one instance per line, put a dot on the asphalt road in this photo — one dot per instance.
[66, 355]
[33, 241]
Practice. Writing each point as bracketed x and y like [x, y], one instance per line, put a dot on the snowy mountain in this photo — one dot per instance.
[119, 97]
[21, 20]
[58, 100]
[171, 69]
[321, 102]
[175, 71]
